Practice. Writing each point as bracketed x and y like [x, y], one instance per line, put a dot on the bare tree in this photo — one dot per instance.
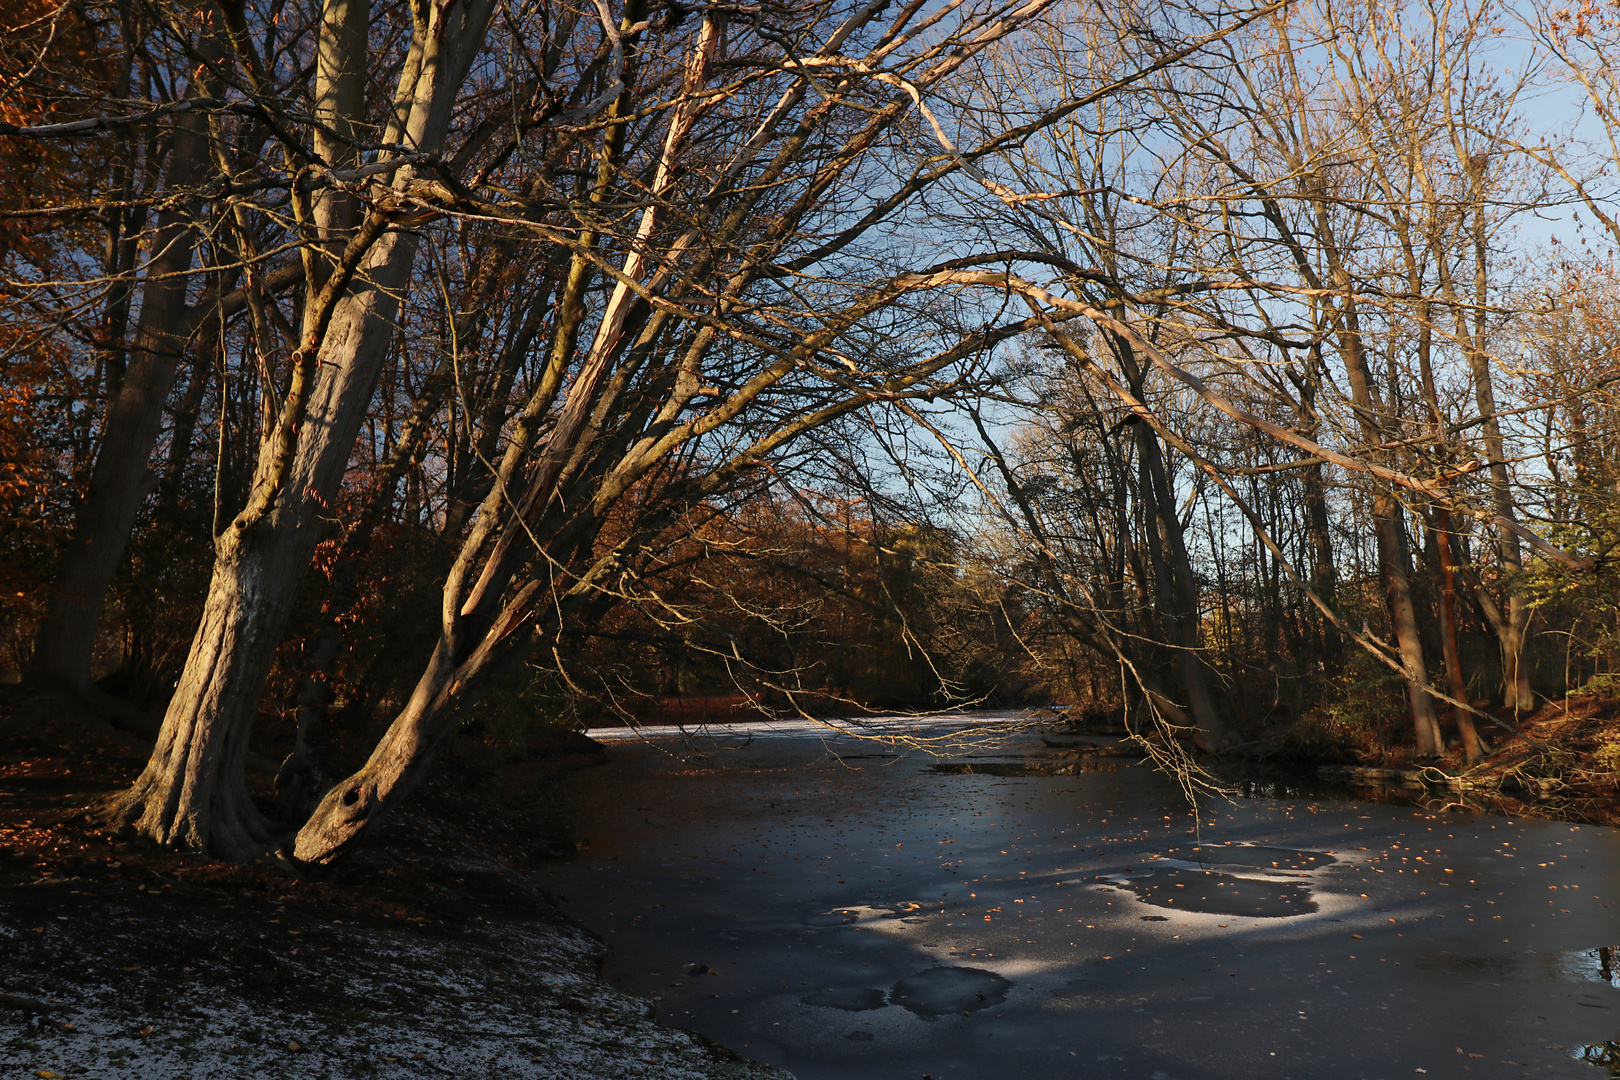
[726, 291]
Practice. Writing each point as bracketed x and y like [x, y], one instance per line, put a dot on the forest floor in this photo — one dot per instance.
[432, 955]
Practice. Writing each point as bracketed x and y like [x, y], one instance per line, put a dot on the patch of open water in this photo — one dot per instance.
[847, 910]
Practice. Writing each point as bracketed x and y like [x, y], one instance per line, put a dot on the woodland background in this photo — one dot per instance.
[1250, 371]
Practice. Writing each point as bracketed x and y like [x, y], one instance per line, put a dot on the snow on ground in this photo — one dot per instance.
[173, 988]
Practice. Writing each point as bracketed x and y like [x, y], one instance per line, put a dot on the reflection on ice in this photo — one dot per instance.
[1251, 880]
[836, 892]
[1605, 1055]
[1025, 768]
[842, 917]
[937, 991]
[1593, 965]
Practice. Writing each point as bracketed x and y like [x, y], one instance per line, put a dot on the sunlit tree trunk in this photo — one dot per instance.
[1394, 556]
[192, 791]
[1516, 692]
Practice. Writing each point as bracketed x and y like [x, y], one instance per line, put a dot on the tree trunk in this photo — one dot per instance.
[122, 478]
[1178, 593]
[1395, 559]
[1324, 574]
[340, 103]
[1472, 749]
[191, 792]
[1516, 692]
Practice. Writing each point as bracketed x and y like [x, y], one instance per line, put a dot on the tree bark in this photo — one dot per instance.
[340, 104]
[1472, 748]
[122, 477]
[1178, 588]
[191, 792]
[1395, 558]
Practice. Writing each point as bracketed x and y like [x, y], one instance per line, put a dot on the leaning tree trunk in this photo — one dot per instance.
[406, 751]
[302, 778]
[192, 792]
[479, 635]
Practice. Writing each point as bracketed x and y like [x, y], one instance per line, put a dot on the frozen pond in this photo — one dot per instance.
[846, 909]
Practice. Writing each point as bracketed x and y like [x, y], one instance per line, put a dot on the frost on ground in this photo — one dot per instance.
[102, 982]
